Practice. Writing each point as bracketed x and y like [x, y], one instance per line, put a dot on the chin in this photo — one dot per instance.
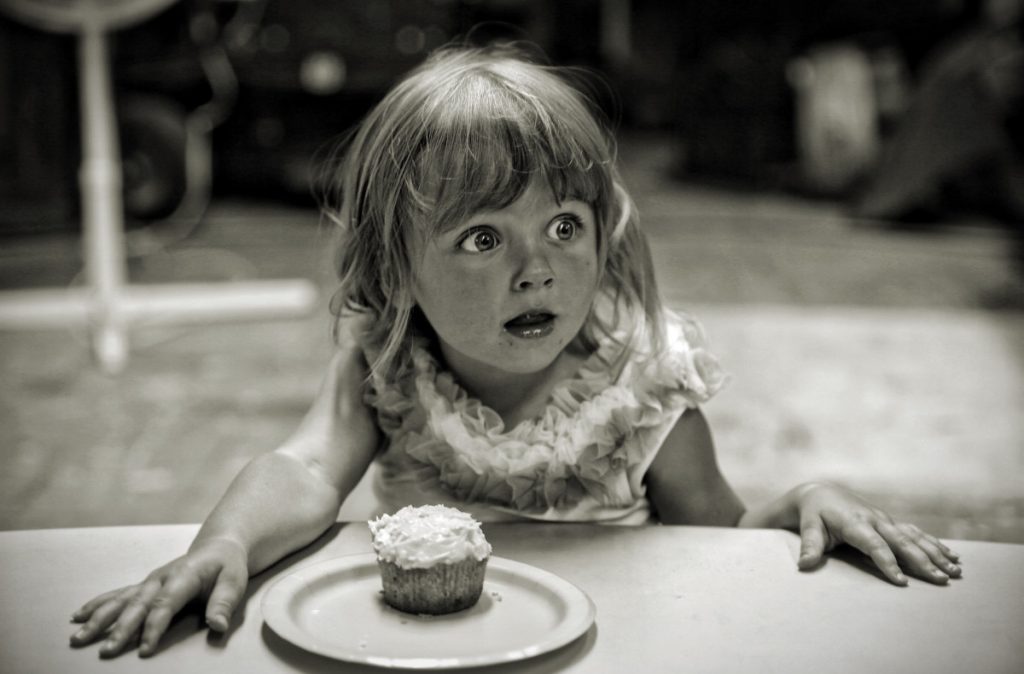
[529, 358]
[512, 361]
[526, 365]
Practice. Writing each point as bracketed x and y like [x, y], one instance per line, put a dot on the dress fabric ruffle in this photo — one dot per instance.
[587, 451]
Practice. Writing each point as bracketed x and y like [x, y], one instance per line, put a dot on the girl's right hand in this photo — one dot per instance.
[216, 569]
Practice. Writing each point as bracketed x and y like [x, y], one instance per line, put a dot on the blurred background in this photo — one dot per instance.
[835, 188]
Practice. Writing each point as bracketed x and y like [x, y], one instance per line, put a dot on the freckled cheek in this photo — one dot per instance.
[459, 304]
[581, 269]
[580, 288]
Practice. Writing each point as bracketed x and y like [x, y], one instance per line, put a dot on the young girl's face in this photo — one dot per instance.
[507, 290]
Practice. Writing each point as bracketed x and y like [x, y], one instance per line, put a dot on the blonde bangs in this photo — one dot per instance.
[493, 137]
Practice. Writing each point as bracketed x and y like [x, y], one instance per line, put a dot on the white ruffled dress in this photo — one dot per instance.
[583, 459]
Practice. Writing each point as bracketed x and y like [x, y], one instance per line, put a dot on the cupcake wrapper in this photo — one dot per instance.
[443, 588]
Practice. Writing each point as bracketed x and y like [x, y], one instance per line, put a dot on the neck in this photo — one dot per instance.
[514, 396]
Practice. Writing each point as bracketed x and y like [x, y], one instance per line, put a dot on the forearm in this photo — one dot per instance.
[273, 507]
[780, 513]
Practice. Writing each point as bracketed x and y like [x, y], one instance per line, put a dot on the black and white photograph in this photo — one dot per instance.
[493, 336]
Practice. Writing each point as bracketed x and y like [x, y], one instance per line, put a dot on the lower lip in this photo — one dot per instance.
[533, 331]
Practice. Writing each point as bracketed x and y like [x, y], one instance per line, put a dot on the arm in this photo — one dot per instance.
[686, 487]
[279, 502]
[684, 483]
[284, 500]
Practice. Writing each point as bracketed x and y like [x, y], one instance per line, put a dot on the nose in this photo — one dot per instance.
[534, 272]
[543, 281]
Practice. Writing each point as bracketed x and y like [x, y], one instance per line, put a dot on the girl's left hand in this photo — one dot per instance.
[831, 515]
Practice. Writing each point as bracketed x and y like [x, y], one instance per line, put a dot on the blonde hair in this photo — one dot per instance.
[468, 130]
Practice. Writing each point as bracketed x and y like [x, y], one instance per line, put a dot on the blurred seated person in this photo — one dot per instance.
[959, 146]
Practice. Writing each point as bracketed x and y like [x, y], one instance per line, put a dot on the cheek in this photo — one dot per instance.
[582, 269]
[455, 301]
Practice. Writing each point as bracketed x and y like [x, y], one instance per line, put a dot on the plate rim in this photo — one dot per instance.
[273, 608]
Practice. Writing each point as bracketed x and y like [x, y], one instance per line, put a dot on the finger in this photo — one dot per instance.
[115, 645]
[226, 594]
[905, 542]
[941, 556]
[949, 554]
[812, 541]
[125, 631]
[99, 620]
[945, 549]
[86, 610]
[866, 539]
[177, 591]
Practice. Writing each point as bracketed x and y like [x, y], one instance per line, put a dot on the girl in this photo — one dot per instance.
[501, 348]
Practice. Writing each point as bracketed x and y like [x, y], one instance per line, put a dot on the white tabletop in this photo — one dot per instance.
[669, 599]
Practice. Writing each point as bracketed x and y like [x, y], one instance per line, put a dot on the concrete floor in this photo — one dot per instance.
[890, 360]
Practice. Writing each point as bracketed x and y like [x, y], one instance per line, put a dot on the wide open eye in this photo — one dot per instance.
[479, 240]
[564, 227]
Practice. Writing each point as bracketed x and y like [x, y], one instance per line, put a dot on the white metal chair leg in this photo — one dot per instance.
[102, 207]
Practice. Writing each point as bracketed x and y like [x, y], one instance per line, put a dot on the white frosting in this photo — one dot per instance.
[419, 537]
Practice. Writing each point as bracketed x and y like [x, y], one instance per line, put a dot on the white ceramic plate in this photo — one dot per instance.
[335, 608]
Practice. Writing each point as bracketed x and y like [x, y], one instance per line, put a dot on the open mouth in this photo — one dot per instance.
[531, 325]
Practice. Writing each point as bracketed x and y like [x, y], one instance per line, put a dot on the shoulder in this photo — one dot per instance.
[670, 362]
[352, 330]
[348, 371]
[687, 354]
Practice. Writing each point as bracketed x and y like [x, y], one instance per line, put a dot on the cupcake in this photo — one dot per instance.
[431, 558]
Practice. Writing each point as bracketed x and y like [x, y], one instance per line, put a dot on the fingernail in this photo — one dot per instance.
[217, 623]
[901, 578]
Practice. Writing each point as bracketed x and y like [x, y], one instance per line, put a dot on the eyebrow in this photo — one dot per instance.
[484, 215]
[568, 202]
[446, 227]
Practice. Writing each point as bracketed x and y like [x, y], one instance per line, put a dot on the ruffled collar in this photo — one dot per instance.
[581, 446]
